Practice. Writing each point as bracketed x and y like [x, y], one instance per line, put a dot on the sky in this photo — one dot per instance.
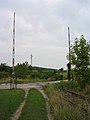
[41, 30]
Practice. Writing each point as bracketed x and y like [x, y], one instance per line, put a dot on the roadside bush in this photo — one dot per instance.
[69, 85]
[4, 75]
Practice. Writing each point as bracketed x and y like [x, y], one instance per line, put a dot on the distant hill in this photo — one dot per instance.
[41, 68]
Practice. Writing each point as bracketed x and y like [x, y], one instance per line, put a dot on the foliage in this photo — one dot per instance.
[68, 85]
[25, 71]
[73, 86]
[22, 70]
[35, 108]
[86, 92]
[4, 75]
[80, 60]
[47, 75]
[9, 102]
[5, 70]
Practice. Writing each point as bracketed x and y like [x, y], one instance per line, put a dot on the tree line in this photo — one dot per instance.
[26, 71]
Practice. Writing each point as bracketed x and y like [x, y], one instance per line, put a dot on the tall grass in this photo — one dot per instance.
[70, 85]
[62, 110]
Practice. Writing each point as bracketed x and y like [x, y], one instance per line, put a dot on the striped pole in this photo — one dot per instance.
[13, 61]
[69, 41]
[69, 64]
[13, 56]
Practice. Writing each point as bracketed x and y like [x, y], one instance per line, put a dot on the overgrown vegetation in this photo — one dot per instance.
[26, 73]
[9, 102]
[80, 59]
[5, 71]
[38, 73]
[73, 86]
[35, 107]
[60, 106]
[70, 85]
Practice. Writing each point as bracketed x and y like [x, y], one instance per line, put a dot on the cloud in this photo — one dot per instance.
[41, 29]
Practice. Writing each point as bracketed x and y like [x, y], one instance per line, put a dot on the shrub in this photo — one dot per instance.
[4, 74]
[70, 85]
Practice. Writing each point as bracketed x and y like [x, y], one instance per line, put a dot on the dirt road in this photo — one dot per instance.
[28, 85]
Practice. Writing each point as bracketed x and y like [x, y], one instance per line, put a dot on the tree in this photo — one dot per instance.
[80, 60]
[5, 70]
[22, 70]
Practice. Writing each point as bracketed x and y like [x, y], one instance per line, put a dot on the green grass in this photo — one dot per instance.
[35, 107]
[9, 102]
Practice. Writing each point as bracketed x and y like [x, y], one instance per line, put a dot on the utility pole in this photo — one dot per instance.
[88, 43]
[13, 81]
[69, 41]
[69, 64]
[31, 59]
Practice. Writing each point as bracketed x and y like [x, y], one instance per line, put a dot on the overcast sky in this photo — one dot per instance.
[41, 29]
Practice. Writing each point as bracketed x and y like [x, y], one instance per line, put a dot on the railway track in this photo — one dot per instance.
[75, 99]
[80, 101]
[77, 95]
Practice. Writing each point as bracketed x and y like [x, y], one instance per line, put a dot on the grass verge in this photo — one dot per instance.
[62, 110]
[35, 107]
[9, 102]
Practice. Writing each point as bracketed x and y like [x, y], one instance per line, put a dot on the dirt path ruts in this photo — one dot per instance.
[16, 115]
[49, 114]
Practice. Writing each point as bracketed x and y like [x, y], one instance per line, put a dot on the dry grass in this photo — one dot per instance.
[62, 110]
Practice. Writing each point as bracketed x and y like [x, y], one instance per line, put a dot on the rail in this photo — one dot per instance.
[80, 101]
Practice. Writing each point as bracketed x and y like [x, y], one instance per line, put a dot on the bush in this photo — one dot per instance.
[70, 85]
[4, 75]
